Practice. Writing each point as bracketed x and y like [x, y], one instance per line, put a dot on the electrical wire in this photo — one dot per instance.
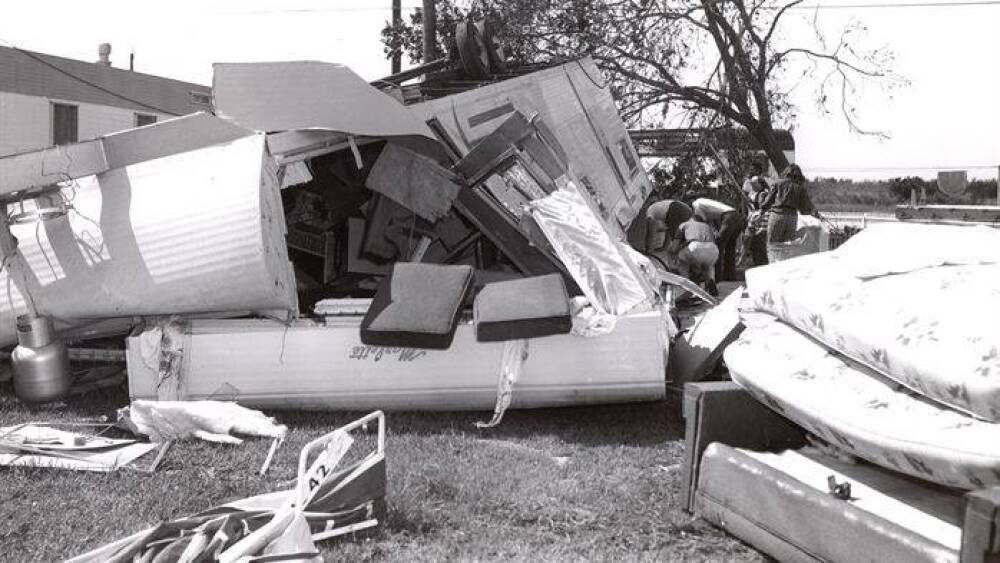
[316, 10]
[38, 59]
[939, 4]
[892, 168]
[878, 5]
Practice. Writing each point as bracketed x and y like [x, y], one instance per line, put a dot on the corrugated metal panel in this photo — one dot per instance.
[267, 365]
[309, 95]
[38, 74]
[198, 231]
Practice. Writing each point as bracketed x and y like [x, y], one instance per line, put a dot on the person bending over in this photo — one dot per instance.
[697, 251]
[662, 220]
[730, 224]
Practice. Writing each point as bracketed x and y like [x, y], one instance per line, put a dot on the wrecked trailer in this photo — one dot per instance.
[368, 185]
[175, 218]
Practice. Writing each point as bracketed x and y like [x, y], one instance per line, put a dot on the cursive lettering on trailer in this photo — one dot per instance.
[375, 353]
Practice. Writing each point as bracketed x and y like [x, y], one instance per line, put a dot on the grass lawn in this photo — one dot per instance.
[599, 483]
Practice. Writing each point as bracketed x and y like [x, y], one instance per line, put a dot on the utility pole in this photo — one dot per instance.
[430, 31]
[397, 22]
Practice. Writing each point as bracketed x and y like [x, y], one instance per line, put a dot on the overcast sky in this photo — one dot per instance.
[949, 116]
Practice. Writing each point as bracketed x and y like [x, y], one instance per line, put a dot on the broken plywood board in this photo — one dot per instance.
[326, 367]
[199, 231]
[697, 351]
[413, 181]
[582, 117]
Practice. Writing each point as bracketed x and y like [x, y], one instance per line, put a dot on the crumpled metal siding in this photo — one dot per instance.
[200, 231]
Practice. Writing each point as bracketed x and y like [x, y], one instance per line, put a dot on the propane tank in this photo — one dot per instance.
[40, 361]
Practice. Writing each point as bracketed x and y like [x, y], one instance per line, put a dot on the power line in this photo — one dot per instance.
[891, 168]
[34, 57]
[955, 4]
[316, 10]
[879, 5]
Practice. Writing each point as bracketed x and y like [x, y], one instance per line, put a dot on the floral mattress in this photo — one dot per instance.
[919, 304]
[861, 411]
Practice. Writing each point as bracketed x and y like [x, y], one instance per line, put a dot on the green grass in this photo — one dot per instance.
[600, 483]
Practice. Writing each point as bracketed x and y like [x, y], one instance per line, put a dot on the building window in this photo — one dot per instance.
[65, 122]
[200, 98]
[144, 119]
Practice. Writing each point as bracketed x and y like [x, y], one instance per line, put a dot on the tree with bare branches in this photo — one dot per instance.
[720, 63]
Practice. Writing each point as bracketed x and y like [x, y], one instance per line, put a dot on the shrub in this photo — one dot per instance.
[901, 188]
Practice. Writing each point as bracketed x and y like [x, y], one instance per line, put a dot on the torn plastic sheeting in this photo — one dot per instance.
[594, 260]
[588, 322]
[413, 181]
[161, 349]
[515, 353]
[212, 421]
[194, 232]
[655, 271]
[310, 95]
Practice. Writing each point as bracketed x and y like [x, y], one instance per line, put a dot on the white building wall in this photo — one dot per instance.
[26, 121]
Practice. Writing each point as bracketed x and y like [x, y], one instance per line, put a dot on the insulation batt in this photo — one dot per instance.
[212, 421]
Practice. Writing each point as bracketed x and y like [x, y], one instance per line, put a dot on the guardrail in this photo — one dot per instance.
[860, 219]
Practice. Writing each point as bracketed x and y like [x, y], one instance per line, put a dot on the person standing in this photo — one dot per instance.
[730, 224]
[783, 204]
[756, 187]
[697, 251]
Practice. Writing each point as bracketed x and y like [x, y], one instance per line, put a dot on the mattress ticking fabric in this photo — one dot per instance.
[859, 410]
[918, 303]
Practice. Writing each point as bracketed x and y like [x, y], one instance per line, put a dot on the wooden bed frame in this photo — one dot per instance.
[729, 485]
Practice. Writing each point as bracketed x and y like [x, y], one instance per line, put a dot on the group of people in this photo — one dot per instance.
[698, 236]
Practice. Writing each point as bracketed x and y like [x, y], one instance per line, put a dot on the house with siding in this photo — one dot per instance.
[47, 100]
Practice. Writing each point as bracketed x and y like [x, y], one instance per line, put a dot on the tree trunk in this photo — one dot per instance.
[430, 31]
[764, 134]
[397, 22]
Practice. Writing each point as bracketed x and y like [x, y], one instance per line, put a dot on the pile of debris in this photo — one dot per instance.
[315, 244]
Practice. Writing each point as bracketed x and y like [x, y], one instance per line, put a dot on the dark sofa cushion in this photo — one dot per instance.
[524, 308]
[417, 306]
